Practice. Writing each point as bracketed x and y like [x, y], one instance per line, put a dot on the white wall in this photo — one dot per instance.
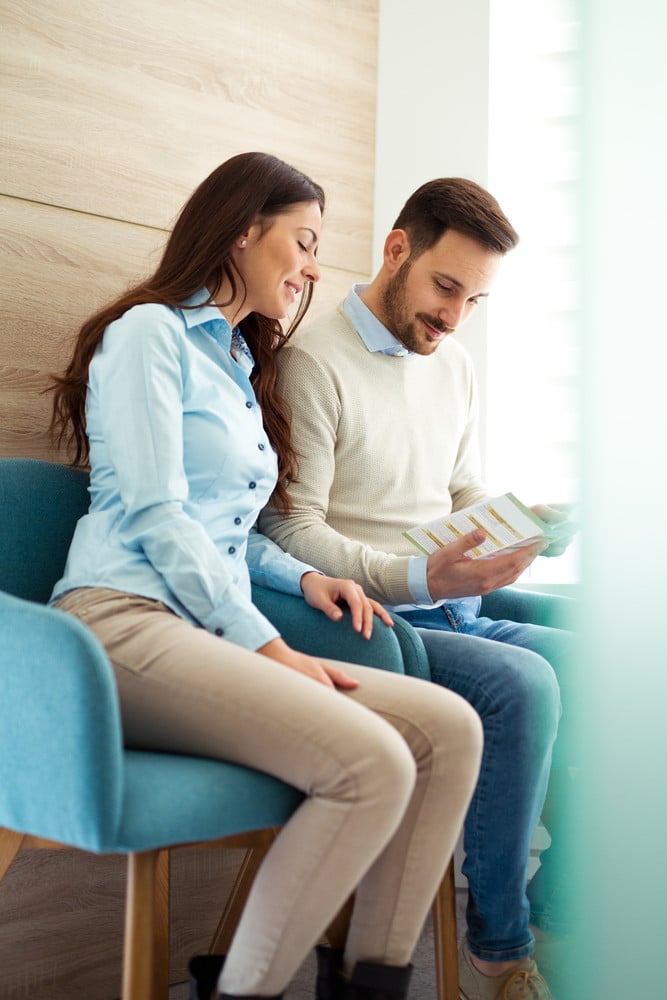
[432, 113]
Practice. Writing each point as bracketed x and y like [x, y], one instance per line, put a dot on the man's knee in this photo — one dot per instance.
[497, 679]
[533, 687]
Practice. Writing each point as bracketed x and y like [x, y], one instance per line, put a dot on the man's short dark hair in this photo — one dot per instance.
[459, 204]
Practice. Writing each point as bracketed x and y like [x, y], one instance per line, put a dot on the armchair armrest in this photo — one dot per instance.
[60, 732]
[532, 606]
[398, 649]
[415, 657]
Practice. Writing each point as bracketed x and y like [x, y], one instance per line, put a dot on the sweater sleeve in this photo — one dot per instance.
[315, 405]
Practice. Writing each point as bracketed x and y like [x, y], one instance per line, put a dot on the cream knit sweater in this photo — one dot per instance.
[384, 443]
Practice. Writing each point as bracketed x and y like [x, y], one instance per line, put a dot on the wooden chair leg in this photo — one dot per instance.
[231, 914]
[161, 939]
[10, 844]
[138, 971]
[336, 932]
[444, 938]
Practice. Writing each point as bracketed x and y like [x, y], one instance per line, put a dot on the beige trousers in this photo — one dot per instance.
[388, 770]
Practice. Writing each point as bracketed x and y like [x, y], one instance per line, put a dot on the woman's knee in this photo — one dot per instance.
[376, 765]
[395, 764]
[446, 722]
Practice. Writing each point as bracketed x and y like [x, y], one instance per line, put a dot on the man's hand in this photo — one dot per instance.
[451, 573]
[324, 593]
[310, 666]
[554, 514]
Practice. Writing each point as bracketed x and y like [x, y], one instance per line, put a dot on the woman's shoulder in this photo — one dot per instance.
[149, 314]
[147, 322]
[145, 331]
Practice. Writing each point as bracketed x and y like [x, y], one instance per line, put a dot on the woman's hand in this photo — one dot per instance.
[324, 593]
[318, 670]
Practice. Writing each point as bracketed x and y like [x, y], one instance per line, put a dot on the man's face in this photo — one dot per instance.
[430, 297]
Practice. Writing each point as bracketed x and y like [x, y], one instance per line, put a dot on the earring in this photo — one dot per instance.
[243, 243]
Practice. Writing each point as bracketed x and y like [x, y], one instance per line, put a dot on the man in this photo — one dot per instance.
[384, 417]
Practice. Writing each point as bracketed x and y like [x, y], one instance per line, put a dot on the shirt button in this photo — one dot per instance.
[231, 550]
[220, 631]
[252, 486]
[261, 447]
[237, 520]
[248, 404]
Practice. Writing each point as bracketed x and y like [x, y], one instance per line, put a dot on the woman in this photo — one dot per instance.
[170, 396]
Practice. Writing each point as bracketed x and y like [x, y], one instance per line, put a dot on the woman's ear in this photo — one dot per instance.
[250, 237]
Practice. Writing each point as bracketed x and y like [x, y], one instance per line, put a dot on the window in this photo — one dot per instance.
[532, 391]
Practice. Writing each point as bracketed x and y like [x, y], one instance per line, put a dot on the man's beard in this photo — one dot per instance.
[397, 320]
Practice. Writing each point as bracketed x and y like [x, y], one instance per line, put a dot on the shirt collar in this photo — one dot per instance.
[202, 314]
[231, 340]
[374, 334]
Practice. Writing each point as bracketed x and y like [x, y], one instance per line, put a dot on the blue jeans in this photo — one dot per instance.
[509, 671]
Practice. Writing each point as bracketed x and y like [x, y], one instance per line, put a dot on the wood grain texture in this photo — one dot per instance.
[122, 109]
[61, 920]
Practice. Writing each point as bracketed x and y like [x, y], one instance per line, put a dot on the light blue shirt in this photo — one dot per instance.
[180, 468]
[378, 338]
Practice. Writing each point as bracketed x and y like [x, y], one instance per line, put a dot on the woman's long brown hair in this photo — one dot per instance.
[245, 188]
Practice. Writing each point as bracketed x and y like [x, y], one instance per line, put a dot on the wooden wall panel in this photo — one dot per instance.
[121, 109]
[111, 116]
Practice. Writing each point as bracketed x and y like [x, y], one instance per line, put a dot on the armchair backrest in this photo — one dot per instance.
[40, 503]
[61, 752]
[76, 716]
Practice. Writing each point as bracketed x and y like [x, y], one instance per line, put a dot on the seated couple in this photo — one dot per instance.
[224, 450]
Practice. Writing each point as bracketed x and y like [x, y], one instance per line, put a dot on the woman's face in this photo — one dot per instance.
[275, 260]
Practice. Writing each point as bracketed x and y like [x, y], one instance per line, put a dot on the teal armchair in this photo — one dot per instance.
[66, 778]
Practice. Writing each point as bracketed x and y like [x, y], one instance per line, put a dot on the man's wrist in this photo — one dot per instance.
[418, 580]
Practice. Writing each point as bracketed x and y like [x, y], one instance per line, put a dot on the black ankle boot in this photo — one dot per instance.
[204, 971]
[372, 981]
[329, 984]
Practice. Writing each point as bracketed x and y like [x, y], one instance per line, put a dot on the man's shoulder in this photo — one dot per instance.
[329, 333]
[322, 323]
